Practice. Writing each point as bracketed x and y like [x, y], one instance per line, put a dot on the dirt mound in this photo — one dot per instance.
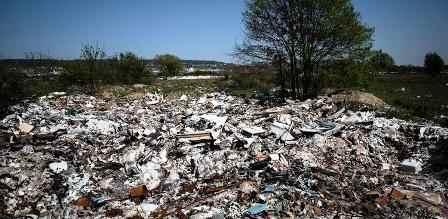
[358, 98]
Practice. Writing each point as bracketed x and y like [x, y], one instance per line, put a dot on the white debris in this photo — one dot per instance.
[205, 212]
[422, 133]
[58, 167]
[25, 128]
[281, 131]
[104, 127]
[183, 98]
[150, 175]
[358, 117]
[148, 208]
[219, 122]
[254, 130]
[411, 165]
[58, 94]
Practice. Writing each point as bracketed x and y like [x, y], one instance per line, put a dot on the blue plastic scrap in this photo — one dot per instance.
[257, 208]
[268, 189]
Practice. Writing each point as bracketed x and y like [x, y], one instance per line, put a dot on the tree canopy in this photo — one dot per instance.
[304, 33]
[170, 65]
[381, 61]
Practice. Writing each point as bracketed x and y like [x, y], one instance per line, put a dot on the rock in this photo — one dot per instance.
[412, 166]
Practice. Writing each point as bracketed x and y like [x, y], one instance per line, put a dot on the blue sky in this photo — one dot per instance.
[195, 29]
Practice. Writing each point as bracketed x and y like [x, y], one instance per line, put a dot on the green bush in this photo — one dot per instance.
[93, 70]
[433, 64]
[12, 86]
[130, 69]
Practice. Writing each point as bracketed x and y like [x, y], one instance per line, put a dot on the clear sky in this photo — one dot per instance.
[195, 29]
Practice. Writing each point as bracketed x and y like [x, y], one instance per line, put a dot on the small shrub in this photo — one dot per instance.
[433, 64]
[119, 92]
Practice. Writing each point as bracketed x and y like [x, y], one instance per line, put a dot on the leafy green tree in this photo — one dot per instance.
[170, 65]
[346, 73]
[433, 63]
[307, 32]
[381, 61]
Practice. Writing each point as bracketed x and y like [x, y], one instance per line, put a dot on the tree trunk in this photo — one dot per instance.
[307, 79]
[282, 79]
[292, 75]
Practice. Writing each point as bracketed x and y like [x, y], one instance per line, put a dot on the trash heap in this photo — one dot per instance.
[216, 156]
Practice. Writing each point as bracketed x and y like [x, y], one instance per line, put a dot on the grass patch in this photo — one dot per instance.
[415, 95]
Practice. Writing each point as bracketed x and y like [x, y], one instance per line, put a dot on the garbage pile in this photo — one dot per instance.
[216, 156]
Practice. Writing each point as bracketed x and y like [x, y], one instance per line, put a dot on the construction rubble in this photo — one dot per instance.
[217, 156]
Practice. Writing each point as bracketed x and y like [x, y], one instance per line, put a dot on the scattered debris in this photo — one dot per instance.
[217, 156]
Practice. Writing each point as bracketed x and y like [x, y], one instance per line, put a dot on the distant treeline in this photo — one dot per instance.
[34, 62]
